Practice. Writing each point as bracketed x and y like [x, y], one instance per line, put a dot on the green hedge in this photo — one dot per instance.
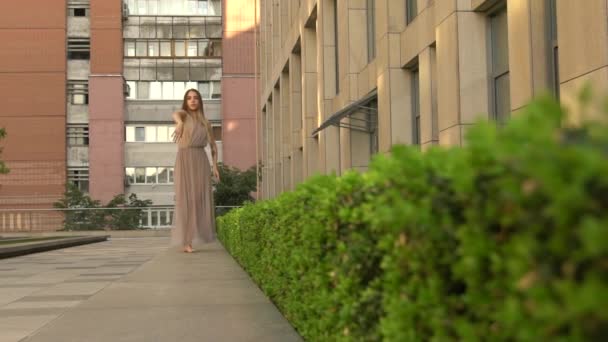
[505, 239]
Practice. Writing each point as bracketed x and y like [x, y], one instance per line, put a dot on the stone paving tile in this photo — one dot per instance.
[39, 298]
[40, 305]
[35, 289]
[15, 328]
[63, 295]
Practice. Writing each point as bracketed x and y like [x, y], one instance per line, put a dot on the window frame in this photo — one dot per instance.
[495, 76]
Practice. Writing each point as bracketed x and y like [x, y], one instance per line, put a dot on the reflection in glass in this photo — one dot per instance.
[130, 174]
[163, 175]
[140, 134]
[140, 175]
[150, 175]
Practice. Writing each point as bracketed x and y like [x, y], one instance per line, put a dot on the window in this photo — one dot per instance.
[210, 89]
[132, 89]
[78, 8]
[216, 90]
[153, 48]
[78, 92]
[154, 216]
[79, 48]
[141, 49]
[217, 132]
[78, 12]
[337, 56]
[144, 90]
[205, 89]
[130, 49]
[553, 53]
[148, 134]
[500, 65]
[415, 89]
[140, 133]
[157, 217]
[371, 30]
[140, 175]
[178, 48]
[372, 119]
[210, 48]
[149, 175]
[79, 176]
[165, 49]
[411, 10]
[163, 175]
[192, 48]
[78, 135]
[175, 7]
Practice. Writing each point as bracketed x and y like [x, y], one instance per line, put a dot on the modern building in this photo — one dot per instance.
[88, 91]
[342, 80]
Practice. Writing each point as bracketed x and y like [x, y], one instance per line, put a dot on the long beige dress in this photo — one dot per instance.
[194, 217]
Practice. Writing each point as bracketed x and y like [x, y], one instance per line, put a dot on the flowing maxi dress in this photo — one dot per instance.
[194, 216]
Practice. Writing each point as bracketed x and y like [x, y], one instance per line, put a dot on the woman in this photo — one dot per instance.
[194, 218]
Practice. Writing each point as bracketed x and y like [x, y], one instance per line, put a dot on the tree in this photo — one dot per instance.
[91, 216]
[127, 218]
[3, 168]
[118, 214]
[235, 186]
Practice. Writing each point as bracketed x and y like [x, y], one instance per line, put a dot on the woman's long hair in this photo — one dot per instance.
[198, 116]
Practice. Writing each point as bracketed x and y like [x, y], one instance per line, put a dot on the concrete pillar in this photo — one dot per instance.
[106, 101]
[583, 54]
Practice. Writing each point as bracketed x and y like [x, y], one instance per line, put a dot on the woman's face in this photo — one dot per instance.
[193, 102]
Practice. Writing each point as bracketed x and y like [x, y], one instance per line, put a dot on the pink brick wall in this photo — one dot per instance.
[239, 83]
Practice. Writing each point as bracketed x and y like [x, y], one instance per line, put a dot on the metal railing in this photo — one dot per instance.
[52, 219]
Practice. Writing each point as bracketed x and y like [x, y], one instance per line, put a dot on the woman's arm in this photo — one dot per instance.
[179, 117]
[213, 153]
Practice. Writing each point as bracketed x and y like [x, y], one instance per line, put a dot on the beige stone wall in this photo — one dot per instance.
[448, 45]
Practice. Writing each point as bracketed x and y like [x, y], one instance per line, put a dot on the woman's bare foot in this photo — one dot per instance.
[188, 249]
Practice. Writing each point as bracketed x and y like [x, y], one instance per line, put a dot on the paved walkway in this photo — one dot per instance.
[134, 290]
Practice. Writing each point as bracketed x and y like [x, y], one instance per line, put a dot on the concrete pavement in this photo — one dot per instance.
[134, 289]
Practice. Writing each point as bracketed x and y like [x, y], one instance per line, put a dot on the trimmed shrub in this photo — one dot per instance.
[504, 239]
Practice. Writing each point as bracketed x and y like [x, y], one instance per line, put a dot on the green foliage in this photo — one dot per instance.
[235, 187]
[3, 168]
[89, 218]
[504, 239]
[94, 216]
[128, 218]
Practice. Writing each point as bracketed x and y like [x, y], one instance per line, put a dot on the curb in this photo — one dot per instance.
[13, 251]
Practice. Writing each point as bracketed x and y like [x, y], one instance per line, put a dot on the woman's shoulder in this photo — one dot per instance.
[180, 113]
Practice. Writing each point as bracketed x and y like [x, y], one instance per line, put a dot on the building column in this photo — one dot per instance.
[394, 125]
[276, 141]
[427, 66]
[106, 101]
[583, 55]
[462, 70]
[285, 143]
[295, 104]
[311, 148]
[328, 84]
[239, 83]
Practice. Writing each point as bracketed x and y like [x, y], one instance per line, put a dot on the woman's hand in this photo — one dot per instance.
[177, 134]
[216, 172]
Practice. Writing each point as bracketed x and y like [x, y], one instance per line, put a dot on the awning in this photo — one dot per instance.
[365, 125]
